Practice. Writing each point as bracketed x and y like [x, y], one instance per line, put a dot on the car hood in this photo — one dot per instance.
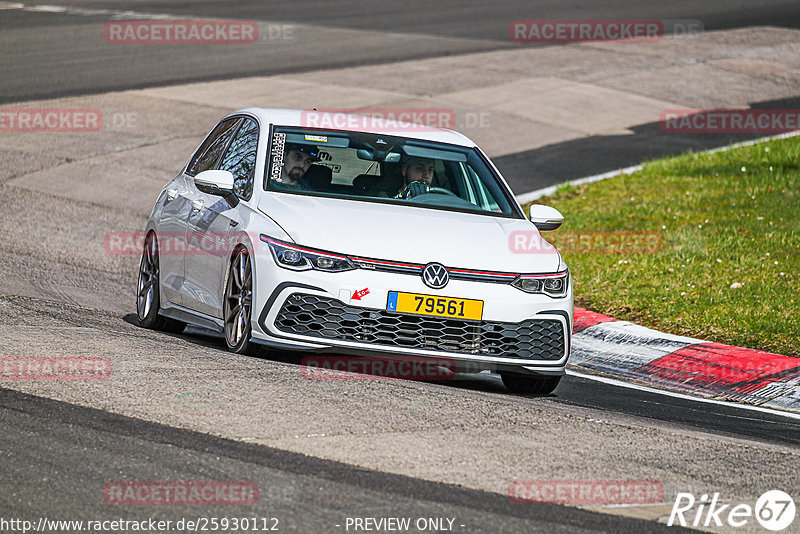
[411, 234]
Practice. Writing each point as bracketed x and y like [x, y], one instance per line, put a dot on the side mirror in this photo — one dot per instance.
[215, 182]
[545, 218]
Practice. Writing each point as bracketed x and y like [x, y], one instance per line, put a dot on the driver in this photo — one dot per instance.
[417, 177]
[296, 161]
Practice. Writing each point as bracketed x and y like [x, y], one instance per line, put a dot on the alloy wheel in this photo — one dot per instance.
[148, 278]
[238, 301]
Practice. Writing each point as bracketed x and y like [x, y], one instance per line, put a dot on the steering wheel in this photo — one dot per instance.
[414, 188]
[441, 190]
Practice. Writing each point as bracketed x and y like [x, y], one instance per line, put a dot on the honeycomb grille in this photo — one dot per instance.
[324, 317]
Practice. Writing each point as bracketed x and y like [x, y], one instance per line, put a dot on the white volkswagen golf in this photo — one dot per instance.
[373, 238]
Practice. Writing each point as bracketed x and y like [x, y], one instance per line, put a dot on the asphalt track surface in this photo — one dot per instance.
[56, 456]
[48, 55]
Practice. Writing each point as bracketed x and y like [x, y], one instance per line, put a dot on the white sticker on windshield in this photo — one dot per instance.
[317, 138]
[278, 143]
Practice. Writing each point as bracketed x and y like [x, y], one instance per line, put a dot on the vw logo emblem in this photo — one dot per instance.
[435, 275]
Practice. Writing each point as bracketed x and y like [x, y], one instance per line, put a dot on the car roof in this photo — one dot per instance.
[328, 119]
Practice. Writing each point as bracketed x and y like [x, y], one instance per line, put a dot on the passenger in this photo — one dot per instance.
[297, 159]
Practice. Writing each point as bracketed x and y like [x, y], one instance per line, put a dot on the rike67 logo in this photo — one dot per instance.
[774, 510]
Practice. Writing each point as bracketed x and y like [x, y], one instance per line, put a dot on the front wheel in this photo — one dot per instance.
[530, 384]
[238, 303]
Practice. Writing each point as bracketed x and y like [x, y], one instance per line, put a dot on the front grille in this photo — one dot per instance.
[328, 318]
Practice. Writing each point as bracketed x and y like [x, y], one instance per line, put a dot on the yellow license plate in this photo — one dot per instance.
[434, 305]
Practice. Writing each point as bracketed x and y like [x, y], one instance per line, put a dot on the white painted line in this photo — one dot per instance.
[539, 193]
[85, 12]
[48, 9]
[630, 385]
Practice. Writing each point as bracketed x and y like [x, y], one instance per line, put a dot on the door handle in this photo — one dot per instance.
[171, 194]
[197, 205]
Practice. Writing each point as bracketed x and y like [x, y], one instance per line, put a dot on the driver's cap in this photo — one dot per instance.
[311, 150]
[410, 160]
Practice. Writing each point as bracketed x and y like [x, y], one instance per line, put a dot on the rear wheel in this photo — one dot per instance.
[238, 303]
[148, 300]
[531, 384]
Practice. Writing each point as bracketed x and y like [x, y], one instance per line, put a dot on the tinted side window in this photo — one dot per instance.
[212, 148]
[240, 159]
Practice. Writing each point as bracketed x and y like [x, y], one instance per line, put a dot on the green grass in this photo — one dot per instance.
[663, 246]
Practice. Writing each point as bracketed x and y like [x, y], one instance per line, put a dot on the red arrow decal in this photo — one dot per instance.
[361, 293]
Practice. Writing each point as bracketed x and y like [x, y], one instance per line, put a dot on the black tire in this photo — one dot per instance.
[148, 298]
[530, 384]
[238, 303]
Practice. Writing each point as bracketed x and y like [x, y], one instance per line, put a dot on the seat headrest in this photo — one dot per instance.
[319, 176]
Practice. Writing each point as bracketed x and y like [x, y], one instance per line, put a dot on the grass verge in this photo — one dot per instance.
[704, 245]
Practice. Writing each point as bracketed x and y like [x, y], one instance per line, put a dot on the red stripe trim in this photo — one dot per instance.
[487, 273]
[363, 260]
[407, 265]
[556, 275]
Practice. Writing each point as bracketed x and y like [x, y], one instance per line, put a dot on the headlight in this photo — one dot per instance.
[554, 285]
[296, 258]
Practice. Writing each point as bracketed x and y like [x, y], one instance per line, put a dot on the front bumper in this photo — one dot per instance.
[314, 311]
[325, 318]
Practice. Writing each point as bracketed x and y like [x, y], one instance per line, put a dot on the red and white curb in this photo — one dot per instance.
[604, 345]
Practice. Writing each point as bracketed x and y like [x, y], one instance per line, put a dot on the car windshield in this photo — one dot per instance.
[372, 167]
